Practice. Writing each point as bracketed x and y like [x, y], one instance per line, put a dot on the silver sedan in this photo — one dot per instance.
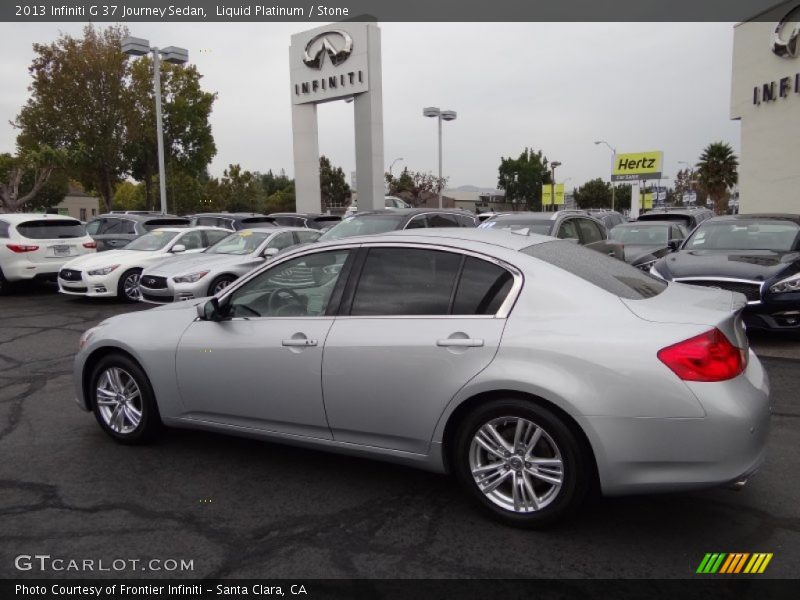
[529, 367]
[211, 271]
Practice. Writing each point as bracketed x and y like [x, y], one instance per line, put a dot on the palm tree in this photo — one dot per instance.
[716, 172]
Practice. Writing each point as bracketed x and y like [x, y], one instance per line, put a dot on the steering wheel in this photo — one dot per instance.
[273, 305]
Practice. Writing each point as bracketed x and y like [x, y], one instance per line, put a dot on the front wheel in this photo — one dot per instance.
[123, 401]
[128, 286]
[219, 284]
[520, 462]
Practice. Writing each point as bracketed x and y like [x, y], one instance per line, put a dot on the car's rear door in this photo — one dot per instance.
[415, 327]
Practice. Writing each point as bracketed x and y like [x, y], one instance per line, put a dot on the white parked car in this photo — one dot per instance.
[391, 203]
[35, 246]
[115, 273]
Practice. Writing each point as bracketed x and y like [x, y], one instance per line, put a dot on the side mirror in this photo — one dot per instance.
[210, 310]
[673, 245]
[178, 248]
[270, 252]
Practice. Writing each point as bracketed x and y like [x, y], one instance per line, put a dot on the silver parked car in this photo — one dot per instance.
[530, 367]
[207, 273]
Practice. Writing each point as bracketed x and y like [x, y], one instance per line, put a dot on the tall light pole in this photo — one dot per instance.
[393, 162]
[553, 166]
[172, 54]
[441, 115]
[613, 154]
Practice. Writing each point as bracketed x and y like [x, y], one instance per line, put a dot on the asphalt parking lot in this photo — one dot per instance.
[241, 508]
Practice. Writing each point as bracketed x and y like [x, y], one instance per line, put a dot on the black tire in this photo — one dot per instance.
[121, 284]
[149, 424]
[222, 280]
[555, 504]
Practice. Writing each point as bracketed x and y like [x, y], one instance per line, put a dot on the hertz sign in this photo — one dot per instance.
[637, 166]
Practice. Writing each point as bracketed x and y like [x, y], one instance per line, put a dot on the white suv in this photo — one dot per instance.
[35, 246]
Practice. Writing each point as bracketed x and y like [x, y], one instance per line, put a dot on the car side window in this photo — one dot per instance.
[402, 281]
[304, 237]
[281, 241]
[111, 226]
[193, 240]
[590, 232]
[482, 288]
[466, 221]
[3, 229]
[677, 233]
[128, 227]
[300, 287]
[443, 220]
[418, 222]
[212, 237]
[93, 227]
[568, 230]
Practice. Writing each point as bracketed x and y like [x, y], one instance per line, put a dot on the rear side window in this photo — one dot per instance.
[3, 229]
[482, 288]
[590, 231]
[94, 226]
[212, 222]
[609, 274]
[467, 221]
[213, 237]
[290, 221]
[257, 222]
[397, 281]
[443, 220]
[51, 229]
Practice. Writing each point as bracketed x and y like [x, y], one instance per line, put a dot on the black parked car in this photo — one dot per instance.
[307, 220]
[756, 255]
[565, 224]
[381, 221]
[232, 221]
[644, 242]
[113, 231]
[689, 217]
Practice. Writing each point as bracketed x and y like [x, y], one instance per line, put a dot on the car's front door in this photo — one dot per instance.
[417, 326]
[261, 366]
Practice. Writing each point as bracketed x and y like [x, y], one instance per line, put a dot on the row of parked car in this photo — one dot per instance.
[161, 259]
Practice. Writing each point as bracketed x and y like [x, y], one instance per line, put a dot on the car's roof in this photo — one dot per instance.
[187, 229]
[542, 216]
[758, 216]
[648, 223]
[410, 211]
[131, 217]
[295, 214]
[22, 217]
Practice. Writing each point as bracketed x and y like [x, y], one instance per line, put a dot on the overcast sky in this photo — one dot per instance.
[554, 87]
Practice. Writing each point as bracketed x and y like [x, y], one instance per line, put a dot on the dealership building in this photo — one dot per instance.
[765, 97]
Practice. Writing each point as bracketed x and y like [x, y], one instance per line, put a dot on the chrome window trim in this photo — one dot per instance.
[502, 313]
[760, 284]
[433, 212]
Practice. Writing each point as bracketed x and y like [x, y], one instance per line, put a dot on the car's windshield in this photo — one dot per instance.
[741, 234]
[539, 226]
[155, 240]
[241, 242]
[640, 236]
[366, 225]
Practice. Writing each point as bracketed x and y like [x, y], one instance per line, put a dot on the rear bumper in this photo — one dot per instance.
[643, 455]
[27, 270]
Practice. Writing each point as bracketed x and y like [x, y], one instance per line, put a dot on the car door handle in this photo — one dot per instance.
[303, 343]
[460, 343]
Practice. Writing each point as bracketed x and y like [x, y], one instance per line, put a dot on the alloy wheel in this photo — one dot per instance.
[119, 400]
[130, 287]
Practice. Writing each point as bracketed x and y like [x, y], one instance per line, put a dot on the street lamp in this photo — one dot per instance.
[393, 162]
[441, 115]
[553, 166]
[172, 54]
[613, 154]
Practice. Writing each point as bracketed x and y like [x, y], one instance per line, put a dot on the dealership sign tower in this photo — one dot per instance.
[636, 167]
[337, 62]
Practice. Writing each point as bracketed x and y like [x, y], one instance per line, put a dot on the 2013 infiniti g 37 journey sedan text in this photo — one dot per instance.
[530, 367]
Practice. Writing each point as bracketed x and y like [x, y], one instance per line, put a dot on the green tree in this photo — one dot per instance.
[595, 193]
[27, 181]
[129, 196]
[333, 184]
[402, 184]
[522, 177]
[716, 172]
[78, 103]
[622, 197]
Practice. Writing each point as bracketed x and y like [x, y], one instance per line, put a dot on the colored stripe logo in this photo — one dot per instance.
[734, 563]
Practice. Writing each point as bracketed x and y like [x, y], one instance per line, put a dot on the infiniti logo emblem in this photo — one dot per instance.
[337, 44]
[791, 47]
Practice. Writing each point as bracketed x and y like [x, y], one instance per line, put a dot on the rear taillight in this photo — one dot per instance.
[90, 244]
[20, 248]
[706, 357]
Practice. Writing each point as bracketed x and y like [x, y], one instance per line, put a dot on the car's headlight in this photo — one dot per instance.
[790, 284]
[654, 272]
[191, 278]
[103, 271]
[87, 335]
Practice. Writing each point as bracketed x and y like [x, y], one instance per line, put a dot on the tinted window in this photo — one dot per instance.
[590, 231]
[366, 225]
[192, 240]
[418, 222]
[128, 227]
[290, 221]
[3, 229]
[93, 227]
[443, 220]
[51, 229]
[212, 222]
[111, 226]
[744, 234]
[297, 287]
[256, 222]
[466, 220]
[402, 281]
[156, 223]
[568, 230]
[677, 233]
[482, 288]
[212, 237]
[607, 273]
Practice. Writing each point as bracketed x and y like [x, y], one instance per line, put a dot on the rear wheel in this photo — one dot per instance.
[123, 401]
[220, 283]
[128, 286]
[520, 462]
